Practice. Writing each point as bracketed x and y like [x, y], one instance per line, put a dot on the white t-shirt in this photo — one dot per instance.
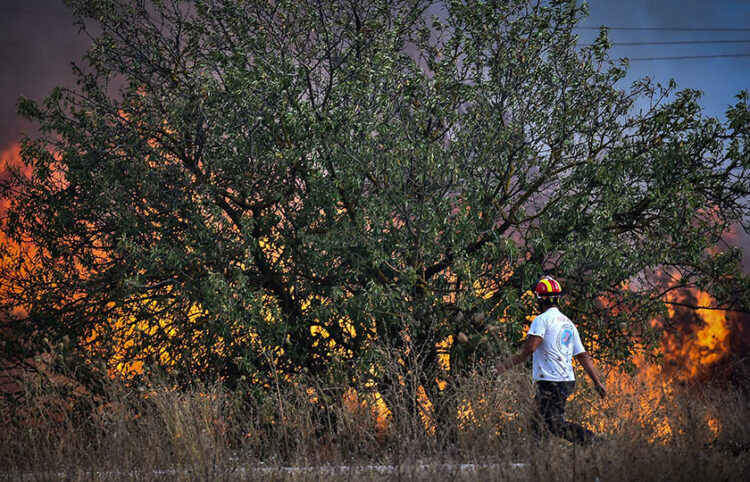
[553, 359]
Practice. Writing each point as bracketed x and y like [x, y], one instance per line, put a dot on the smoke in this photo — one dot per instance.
[743, 241]
[720, 79]
[38, 42]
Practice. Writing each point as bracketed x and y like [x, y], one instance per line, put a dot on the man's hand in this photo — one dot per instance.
[585, 360]
[499, 369]
[601, 390]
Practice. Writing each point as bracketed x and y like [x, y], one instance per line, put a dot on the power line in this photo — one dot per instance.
[671, 29]
[687, 57]
[45, 11]
[683, 42]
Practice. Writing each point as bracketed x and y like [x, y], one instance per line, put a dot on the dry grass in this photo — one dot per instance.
[655, 431]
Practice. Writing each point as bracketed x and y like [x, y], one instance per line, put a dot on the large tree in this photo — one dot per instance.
[241, 188]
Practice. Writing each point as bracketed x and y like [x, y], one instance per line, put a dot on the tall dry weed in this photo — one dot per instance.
[653, 431]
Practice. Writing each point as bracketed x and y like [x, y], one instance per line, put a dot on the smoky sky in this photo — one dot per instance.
[720, 79]
[38, 43]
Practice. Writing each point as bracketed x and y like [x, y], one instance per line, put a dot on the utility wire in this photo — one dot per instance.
[671, 29]
[683, 42]
[686, 57]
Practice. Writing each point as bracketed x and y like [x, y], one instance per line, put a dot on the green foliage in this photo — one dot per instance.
[229, 175]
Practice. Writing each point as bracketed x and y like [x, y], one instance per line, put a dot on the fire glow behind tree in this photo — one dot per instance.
[289, 186]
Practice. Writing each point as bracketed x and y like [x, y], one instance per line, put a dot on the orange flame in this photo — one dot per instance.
[691, 353]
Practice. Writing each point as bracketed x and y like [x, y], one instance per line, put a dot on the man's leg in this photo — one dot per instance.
[546, 401]
[537, 423]
[551, 405]
[568, 430]
[550, 402]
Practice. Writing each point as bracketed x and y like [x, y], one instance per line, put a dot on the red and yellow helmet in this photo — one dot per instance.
[547, 287]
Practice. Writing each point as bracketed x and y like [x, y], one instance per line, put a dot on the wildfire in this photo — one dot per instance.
[689, 353]
[651, 400]
[693, 353]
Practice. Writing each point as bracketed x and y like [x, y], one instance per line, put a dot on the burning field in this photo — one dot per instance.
[680, 415]
[672, 392]
[680, 412]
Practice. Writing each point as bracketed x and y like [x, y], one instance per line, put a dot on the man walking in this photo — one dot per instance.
[553, 341]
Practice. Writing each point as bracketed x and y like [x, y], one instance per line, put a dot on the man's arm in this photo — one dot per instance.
[529, 347]
[585, 360]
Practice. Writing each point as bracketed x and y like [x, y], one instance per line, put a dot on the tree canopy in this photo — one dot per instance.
[236, 188]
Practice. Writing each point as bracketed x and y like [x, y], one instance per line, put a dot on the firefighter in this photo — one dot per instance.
[553, 341]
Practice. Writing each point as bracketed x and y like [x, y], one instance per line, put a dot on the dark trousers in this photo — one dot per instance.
[550, 404]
